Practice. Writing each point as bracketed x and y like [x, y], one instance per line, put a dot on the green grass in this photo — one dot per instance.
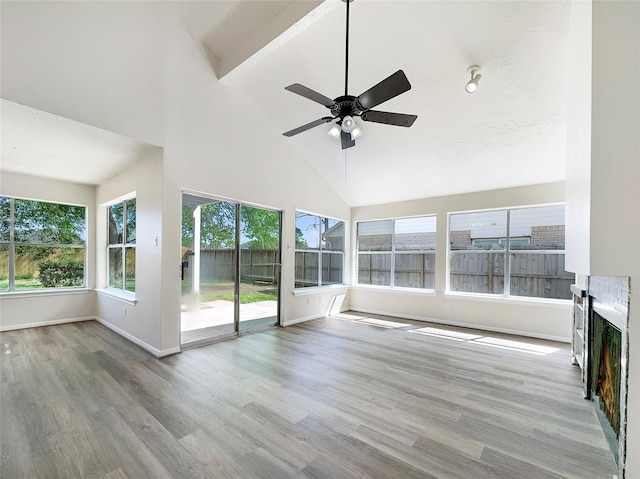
[244, 298]
[21, 284]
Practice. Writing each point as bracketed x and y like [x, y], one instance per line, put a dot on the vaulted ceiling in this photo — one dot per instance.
[510, 132]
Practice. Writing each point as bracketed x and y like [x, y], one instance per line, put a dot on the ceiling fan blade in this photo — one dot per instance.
[387, 89]
[308, 126]
[310, 94]
[397, 119]
[347, 141]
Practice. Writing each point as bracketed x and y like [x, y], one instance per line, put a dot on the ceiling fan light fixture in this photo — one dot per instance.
[348, 124]
[356, 132]
[335, 131]
[472, 84]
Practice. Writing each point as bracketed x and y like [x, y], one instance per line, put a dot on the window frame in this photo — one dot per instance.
[123, 247]
[11, 245]
[506, 251]
[393, 252]
[320, 251]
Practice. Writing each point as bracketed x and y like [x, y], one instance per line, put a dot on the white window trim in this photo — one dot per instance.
[110, 290]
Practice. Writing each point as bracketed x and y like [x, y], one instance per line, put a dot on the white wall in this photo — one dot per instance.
[220, 143]
[615, 176]
[578, 180]
[521, 316]
[50, 307]
[140, 321]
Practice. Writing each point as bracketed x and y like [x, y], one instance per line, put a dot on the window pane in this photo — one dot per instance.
[307, 231]
[477, 271]
[332, 268]
[539, 228]
[332, 235]
[48, 267]
[4, 268]
[115, 268]
[306, 269]
[374, 269]
[415, 234]
[48, 223]
[375, 235]
[5, 217]
[540, 275]
[130, 269]
[116, 219]
[477, 242]
[415, 270]
[486, 230]
[131, 221]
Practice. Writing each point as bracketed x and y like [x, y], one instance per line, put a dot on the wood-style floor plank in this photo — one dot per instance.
[330, 398]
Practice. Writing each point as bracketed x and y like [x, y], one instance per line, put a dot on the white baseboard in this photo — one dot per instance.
[291, 322]
[158, 353]
[482, 327]
[52, 322]
[150, 349]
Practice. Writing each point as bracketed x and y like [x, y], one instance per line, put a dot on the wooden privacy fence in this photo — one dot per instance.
[27, 266]
[533, 274]
[307, 268]
[218, 265]
[412, 270]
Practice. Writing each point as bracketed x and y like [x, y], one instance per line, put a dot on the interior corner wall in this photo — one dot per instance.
[50, 307]
[206, 152]
[140, 322]
[543, 319]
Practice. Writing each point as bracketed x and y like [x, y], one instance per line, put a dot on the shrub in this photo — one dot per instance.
[55, 274]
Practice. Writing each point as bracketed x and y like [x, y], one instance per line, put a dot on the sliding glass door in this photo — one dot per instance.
[230, 268]
[259, 267]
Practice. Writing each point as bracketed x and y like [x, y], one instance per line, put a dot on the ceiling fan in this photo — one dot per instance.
[345, 108]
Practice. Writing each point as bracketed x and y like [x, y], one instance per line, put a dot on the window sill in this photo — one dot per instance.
[319, 289]
[498, 298]
[128, 298]
[43, 292]
[395, 289]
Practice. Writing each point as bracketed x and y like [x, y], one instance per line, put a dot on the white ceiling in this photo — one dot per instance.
[38, 143]
[510, 132]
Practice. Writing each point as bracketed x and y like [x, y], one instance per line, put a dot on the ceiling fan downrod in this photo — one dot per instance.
[345, 107]
[346, 54]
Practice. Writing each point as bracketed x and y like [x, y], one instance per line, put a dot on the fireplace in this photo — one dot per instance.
[607, 359]
[606, 371]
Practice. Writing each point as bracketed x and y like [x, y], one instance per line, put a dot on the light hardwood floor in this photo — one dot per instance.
[330, 398]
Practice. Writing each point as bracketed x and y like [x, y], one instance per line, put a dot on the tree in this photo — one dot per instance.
[217, 226]
[43, 231]
[261, 227]
[301, 243]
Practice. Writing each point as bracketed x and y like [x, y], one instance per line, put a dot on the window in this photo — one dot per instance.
[513, 252]
[121, 249]
[397, 252]
[42, 245]
[319, 250]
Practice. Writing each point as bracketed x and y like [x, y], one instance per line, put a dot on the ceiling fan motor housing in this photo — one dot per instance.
[345, 106]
